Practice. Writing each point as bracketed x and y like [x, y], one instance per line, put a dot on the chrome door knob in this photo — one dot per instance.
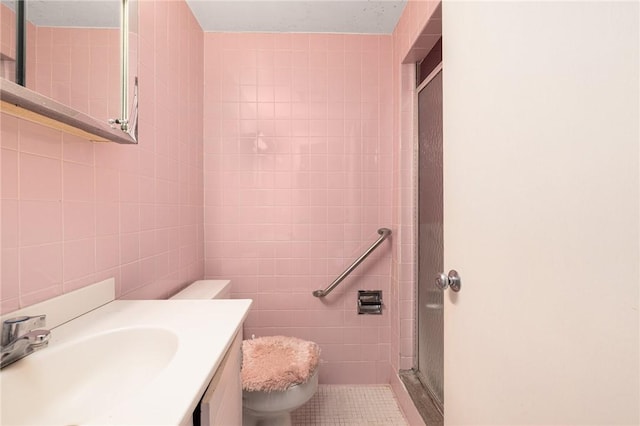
[450, 280]
[442, 281]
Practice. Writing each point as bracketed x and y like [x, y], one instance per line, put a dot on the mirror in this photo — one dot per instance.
[81, 54]
[129, 70]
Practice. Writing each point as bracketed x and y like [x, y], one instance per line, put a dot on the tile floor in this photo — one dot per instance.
[350, 406]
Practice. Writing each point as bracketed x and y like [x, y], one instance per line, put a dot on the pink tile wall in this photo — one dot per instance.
[298, 178]
[75, 212]
[417, 31]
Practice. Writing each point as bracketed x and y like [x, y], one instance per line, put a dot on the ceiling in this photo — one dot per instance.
[74, 13]
[309, 16]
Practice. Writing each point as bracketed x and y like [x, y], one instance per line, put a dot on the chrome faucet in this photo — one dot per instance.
[19, 338]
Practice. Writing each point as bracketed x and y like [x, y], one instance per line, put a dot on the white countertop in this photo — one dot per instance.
[204, 328]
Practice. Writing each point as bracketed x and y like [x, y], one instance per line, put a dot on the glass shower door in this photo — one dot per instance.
[430, 239]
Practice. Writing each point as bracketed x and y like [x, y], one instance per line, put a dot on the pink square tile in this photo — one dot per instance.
[114, 156]
[40, 178]
[231, 93]
[266, 111]
[162, 265]
[9, 131]
[40, 222]
[60, 89]
[335, 61]
[79, 258]
[129, 188]
[335, 130]
[9, 174]
[266, 94]
[248, 93]
[130, 277]
[129, 217]
[78, 182]
[79, 220]
[129, 247]
[353, 42]
[265, 59]
[406, 347]
[371, 43]
[336, 42]
[147, 270]
[9, 283]
[40, 140]
[10, 223]
[77, 149]
[40, 267]
[161, 240]
[267, 77]
[107, 185]
[149, 190]
[147, 243]
[246, 76]
[107, 252]
[107, 218]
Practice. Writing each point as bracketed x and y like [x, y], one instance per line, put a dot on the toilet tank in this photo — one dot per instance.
[206, 289]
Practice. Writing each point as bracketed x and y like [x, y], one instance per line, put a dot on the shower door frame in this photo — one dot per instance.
[416, 218]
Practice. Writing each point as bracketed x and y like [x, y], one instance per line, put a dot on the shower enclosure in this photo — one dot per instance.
[425, 380]
[430, 237]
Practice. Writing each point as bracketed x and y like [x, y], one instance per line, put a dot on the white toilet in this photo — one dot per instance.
[275, 408]
[279, 375]
[266, 402]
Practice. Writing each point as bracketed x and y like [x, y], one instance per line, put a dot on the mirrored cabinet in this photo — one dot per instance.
[72, 65]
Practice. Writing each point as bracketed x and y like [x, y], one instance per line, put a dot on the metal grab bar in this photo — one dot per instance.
[384, 233]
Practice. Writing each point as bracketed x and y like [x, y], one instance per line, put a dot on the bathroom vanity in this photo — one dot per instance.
[124, 362]
[221, 405]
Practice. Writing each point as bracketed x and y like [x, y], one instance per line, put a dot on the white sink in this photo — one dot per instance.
[60, 383]
[128, 362]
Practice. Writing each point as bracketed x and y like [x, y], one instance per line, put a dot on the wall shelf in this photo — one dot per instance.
[23, 103]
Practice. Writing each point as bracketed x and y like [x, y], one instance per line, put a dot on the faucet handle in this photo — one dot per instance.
[38, 338]
[13, 328]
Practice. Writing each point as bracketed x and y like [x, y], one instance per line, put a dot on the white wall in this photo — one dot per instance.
[541, 146]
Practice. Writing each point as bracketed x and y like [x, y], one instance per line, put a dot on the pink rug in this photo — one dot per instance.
[275, 363]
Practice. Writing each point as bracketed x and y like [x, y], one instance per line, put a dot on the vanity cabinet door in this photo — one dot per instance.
[222, 402]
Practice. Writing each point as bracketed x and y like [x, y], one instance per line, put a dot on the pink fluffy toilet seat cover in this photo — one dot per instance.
[275, 363]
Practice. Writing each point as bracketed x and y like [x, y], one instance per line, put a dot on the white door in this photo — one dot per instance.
[541, 212]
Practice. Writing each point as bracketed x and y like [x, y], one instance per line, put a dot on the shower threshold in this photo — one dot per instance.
[430, 411]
